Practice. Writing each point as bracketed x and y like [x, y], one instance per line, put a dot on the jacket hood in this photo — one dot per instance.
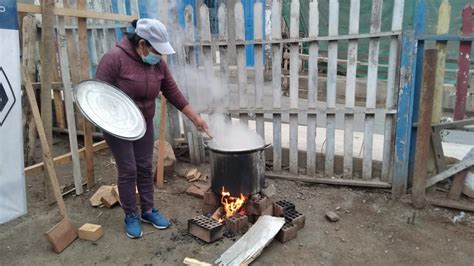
[128, 48]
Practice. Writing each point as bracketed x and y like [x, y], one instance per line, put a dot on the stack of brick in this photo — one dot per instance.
[295, 220]
[257, 206]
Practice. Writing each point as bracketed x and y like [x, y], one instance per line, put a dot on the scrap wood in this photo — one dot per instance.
[191, 174]
[197, 190]
[103, 190]
[467, 162]
[195, 262]
[109, 199]
[196, 177]
[251, 244]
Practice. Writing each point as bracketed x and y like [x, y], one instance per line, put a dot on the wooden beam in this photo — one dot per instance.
[449, 203]
[71, 12]
[450, 172]
[345, 182]
[63, 159]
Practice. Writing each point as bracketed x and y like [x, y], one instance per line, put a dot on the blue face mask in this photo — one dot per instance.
[151, 58]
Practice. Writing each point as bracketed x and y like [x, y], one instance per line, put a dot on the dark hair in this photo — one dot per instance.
[133, 37]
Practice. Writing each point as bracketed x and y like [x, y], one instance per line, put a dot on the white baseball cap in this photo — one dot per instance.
[156, 34]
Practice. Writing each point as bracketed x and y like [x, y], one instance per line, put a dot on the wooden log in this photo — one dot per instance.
[84, 58]
[424, 129]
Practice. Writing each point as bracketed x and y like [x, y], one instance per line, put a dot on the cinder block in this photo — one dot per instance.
[295, 217]
[237, 224]
[90, 232]
[268, 211]
[205, 228]
[258, 204]
[288, 232]
[212, 199]
[281, 206]
[61, 235]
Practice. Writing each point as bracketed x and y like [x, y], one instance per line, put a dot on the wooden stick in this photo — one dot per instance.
[160, 167]
[84, 55]
[47, 158]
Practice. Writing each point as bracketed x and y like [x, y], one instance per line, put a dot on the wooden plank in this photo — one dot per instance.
[424, 129]
[276, 84]
[241, 63]
[71, 12]
[312, 88]
[404, 117]
[258, 50]
[438, 150]
[329, 181]
[83, 52]
[444, 15]
[449, 203]
[71, 122]
[47, 157]
[223, 52]
[350, 90]
[450, 172]
[63, 159]
[331, 88]
[374, 44]
[387, 161]
[462, 81]
[160, 167]
[294, 84]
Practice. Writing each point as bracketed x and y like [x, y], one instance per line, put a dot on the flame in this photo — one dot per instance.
[232, 205]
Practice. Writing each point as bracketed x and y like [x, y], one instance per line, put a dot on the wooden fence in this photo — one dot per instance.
[297, 119]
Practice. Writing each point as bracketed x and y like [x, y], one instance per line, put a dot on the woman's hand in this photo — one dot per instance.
[198, 122]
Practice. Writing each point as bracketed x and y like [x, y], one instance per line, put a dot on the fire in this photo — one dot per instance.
[232, 205]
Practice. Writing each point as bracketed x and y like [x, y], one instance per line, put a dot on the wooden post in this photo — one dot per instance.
[312, 88]
[47, 50]
[276, 84]
[424, 128]
[350, 90]
[83, 52]
[160, 167]
[374, 43]
[464, 61]
[241, 65]
[259, 84]
[294, 85]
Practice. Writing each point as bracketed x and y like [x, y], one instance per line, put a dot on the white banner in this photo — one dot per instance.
[12, 178]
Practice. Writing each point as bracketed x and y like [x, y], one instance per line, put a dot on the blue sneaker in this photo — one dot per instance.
[156, 219]
[133, 226]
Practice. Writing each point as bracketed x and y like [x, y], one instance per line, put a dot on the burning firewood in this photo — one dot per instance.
[218, 215]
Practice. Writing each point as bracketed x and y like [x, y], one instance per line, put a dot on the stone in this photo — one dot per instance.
[269, 191]
[332, 216]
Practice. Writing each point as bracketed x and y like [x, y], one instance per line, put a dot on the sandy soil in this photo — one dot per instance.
[373, 229]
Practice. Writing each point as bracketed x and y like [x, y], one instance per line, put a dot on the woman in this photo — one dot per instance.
[135, 67]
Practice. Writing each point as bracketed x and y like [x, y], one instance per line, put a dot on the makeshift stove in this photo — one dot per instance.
[230, 215]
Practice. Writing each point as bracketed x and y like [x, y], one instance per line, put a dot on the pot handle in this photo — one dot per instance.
[267, 146]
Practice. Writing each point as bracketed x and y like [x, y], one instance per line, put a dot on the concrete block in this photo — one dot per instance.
[205, 228]
[295, 217]
[90, 232]
[61, 235]
[281, 206]
[288, 232]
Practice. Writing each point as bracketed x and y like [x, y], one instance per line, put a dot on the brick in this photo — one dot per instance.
[288, 232]
[205, 228]
[295, 217]
[237, 224]
[332, 216]
[197, 190]
[281, 206]
[90, 232]
[109, 199]
[208, 209]
[257, 204]
[212, 199]
[62, 235]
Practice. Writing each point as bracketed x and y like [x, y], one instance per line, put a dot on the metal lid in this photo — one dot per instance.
[110, 109]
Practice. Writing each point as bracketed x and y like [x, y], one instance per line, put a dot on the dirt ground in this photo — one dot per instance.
[373, 229]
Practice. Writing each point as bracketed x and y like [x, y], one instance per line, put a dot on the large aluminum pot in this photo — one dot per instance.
[241, 171]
